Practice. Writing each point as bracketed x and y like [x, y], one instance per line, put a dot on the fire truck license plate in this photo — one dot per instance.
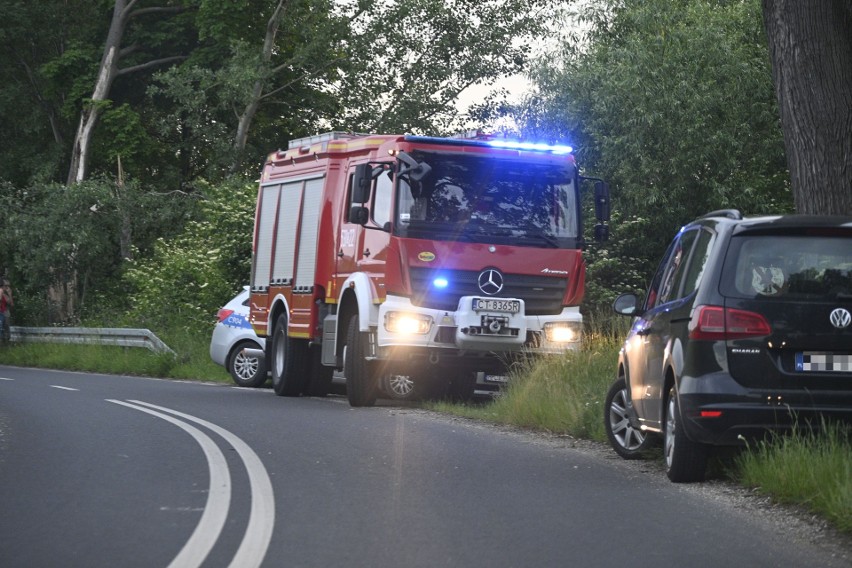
[494, 305]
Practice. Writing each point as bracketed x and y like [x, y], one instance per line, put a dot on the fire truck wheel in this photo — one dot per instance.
[361, 387]
[319, 382]
[289, 361]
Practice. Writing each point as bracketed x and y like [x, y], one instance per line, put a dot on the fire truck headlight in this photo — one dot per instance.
[562, 331]
[401, 322]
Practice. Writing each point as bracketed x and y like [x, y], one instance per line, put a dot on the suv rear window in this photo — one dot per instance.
[797, 267]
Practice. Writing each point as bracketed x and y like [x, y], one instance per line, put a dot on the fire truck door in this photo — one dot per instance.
[373, 254]
[361, 249]
[348, 241]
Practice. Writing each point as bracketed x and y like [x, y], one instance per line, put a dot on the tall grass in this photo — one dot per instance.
[561, 394]
[806, 468]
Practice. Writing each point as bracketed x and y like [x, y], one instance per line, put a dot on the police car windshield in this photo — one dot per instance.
[482, 199]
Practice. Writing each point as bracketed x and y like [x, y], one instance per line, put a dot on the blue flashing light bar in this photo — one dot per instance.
[535, 146]
[440, 282]
[502, 143]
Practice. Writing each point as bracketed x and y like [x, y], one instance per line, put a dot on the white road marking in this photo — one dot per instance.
[5, 379]
[262, 517]
[215, 512]
[64, 388]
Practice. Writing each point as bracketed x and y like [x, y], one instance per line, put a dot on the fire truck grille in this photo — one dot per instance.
[542, 295]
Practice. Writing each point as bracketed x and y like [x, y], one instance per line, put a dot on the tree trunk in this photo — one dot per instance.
[92, 108]
[247, 116]
[810, 45]
[125, 237]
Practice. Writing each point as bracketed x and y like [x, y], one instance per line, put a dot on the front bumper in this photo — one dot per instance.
[472, 330]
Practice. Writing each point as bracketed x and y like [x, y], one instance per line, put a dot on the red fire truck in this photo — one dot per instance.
[414, 264]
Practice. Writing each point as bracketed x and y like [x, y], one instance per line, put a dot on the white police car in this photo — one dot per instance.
[231, 335]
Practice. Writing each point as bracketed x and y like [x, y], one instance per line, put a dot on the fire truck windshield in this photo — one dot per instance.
[485, 199]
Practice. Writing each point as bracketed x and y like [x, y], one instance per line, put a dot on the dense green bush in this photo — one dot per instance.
[187, 278]
[63, 248]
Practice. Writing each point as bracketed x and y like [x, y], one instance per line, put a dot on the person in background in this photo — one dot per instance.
[6, 303]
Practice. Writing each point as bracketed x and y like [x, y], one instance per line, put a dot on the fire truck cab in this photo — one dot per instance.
[415, 263]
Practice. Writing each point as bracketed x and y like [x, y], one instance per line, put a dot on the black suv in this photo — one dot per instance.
[746, 328]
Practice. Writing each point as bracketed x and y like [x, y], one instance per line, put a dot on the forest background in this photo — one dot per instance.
[133, 131]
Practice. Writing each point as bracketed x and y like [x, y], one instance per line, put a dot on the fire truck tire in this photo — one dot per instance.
[319, 382]
[361, 382]
[289, 361]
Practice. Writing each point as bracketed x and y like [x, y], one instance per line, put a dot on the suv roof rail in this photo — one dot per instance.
[728, 213]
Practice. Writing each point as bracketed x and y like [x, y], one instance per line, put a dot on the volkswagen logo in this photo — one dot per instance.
[840, 318]
[491, 281]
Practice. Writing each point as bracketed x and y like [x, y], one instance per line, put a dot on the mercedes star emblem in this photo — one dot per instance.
[840, 318]
[490, 281]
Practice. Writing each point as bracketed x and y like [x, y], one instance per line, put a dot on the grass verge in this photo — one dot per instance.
[560, 394]
[192, 361]
[813, 470]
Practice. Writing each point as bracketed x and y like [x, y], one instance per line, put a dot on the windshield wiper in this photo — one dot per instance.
[536, 233]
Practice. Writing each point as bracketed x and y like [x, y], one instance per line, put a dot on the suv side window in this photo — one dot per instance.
[697, 261]
[651, 299]
[676, 267]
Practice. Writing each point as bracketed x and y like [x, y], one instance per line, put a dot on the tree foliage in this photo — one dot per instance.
[409, 60]
[671, 102]
[61, 239]
[186, 277]
[173, 92]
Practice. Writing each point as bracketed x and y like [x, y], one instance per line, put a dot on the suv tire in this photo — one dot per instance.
[628, 442]
[686, 461]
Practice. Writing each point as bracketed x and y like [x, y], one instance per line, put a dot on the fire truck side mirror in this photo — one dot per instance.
[416, 171]
[362, 183]
[359, 215]
[602, 211]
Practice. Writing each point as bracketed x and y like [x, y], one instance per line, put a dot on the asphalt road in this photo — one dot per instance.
[100, 470]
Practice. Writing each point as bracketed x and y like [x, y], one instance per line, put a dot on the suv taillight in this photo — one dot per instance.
[715, 323]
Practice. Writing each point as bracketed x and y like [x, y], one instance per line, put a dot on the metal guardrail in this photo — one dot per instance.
[91, 335]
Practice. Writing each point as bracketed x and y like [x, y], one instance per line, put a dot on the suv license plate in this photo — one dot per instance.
[494, 305]
[496, 379]
[820, 362]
